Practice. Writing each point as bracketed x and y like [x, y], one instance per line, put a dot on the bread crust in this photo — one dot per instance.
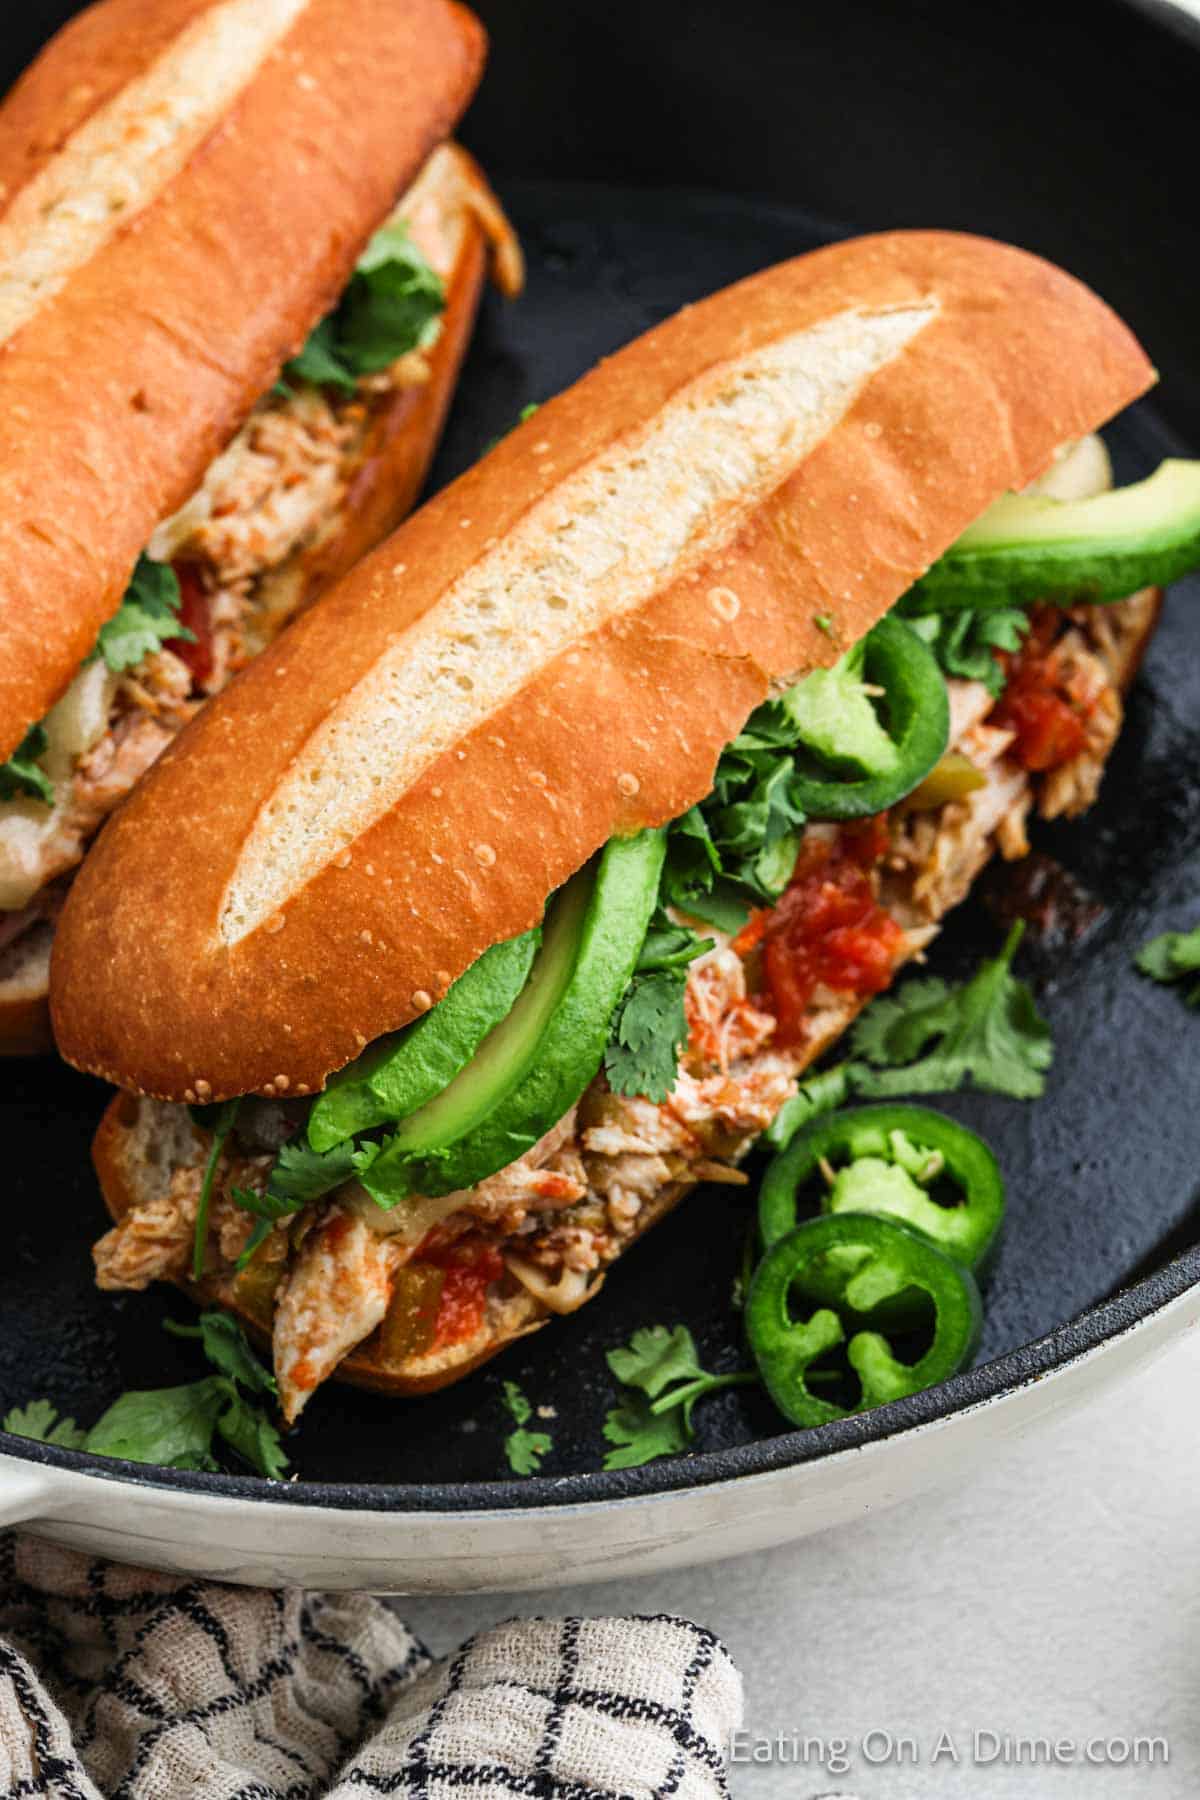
[395, 460]
[119, 391]
[621, 732]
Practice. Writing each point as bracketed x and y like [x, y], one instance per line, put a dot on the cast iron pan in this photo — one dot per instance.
[1104, 1173]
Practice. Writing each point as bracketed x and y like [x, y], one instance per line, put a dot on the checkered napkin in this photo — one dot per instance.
[116, 1682]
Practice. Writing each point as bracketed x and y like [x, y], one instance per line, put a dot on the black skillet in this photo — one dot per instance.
[944, 121]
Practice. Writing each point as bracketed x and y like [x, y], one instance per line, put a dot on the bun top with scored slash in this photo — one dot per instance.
[558, 646]
[185, 186]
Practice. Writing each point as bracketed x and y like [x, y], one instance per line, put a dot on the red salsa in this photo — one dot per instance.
[469, 1267]
[1041, 704]
[195, 615]
[827, 929]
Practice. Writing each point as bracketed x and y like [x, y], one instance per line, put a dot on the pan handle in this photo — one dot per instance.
[24, 1492]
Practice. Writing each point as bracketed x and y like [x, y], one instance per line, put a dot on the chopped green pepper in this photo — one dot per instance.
[891, 1160]
[854, 758]
[890, 1261]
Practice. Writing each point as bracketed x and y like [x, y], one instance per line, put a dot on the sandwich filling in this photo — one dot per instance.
[223, 576]
[277, 1213]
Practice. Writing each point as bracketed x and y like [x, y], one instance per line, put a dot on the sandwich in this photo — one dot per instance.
[527, 875]
[239, 266]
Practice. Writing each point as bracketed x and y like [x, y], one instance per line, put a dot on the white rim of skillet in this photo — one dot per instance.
[1088, 1334]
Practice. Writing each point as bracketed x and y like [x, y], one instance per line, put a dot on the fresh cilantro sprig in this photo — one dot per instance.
[935, 1037]
[176, 1428]
[662, 1372]
[148, 617]
[649, 1027]
[220, 1120]
[300, 1175]
[965, 643]
[393, 305]
[21, 775]
[1175, 956]
[523, 1448]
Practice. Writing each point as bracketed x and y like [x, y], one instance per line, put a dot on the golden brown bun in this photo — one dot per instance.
[133, 1157]
[814, 437]
[153, 289]
[395, 460]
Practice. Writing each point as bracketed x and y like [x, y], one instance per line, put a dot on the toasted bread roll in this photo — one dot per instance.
[186, 188]
[556, 648]
[459, 227]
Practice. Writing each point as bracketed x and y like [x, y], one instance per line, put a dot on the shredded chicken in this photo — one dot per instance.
[334, 1295]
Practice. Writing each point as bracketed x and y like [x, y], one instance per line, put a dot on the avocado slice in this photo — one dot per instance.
[534, 1065]
[1028, 547]
[398, 1074]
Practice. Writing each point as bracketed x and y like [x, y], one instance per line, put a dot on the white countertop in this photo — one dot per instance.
[1055, 1593]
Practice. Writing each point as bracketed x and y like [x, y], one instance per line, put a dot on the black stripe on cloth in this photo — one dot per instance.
[416, 1762]
[534, 1784]
[65, 1775]
[245, 1694]
[563, 1695]
[700, 1661]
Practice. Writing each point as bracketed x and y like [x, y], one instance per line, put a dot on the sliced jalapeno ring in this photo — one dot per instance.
[890, 1261]
[915, 714]
[891, 1160]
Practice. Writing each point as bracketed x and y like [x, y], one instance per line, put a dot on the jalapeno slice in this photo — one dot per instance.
[853, 760]
[890, 1261]
[895, 1161]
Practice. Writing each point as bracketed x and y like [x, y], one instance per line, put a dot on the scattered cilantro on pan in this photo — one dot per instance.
[176, 1427]
[524, 1449]
[392, 305]
[933, 1037]
[662, 1372]
[1175, 956]
[965, 643]
[649, 1027]
[148, 617]
[40, 1420]
[21, 775]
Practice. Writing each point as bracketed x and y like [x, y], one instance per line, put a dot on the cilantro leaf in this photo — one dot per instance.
[649, 1027]
[930, 1038]
[393, 305]
[1172, 957]
[40, 1421]
[148, 617]
[226, 1348]
[654, 1358]
[524, 1449]
[255, 1438]
[21, 775]
[169, 1426]
[299, 1176]
[965, 642]
[664, 1371]
[640, 1436]
[174, 1427]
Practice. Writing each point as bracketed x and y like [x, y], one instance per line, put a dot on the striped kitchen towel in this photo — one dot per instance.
[119, 1683]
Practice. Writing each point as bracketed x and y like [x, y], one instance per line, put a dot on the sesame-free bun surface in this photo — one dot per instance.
[469, 231]
[557, 647]
[185, 190]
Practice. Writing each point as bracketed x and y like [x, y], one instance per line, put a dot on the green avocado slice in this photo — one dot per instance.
[534, 1065]
[1027, 547]
[394, 1077]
